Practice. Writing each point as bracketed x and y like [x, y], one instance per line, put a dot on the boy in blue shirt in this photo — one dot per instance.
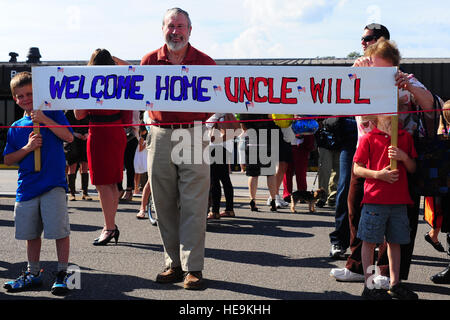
[41, 201]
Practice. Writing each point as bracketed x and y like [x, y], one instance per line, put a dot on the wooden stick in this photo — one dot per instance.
[37, 152]
[394, 135]
[394, 138]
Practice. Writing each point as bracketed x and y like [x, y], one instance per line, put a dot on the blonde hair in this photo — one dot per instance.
[369, 117]
[446, 112]
[21, 79]
[385, 49]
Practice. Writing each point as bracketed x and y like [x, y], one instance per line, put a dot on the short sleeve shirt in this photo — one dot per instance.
[193, 57]
[30, 183]
[372, 152]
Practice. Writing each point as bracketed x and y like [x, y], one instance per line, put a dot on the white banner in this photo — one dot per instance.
[231, 89]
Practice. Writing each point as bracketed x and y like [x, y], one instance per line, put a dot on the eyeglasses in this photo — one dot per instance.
[369, 38]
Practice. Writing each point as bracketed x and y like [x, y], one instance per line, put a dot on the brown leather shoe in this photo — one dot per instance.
[170, 275]
[193, 280]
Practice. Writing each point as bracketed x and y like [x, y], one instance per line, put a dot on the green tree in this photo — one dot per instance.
[353, 55]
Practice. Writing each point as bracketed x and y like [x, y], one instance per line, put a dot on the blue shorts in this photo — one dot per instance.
[380, 221]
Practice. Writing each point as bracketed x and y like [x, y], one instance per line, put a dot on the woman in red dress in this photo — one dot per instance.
[105, 151]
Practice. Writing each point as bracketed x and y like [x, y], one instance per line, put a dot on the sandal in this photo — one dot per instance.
[227, 213]
[213, 216]
[141, 215]
[86, 197]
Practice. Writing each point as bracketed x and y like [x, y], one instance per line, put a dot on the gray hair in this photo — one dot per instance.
[176, 11]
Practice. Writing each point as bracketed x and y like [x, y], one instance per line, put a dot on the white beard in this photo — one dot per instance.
[176, 46]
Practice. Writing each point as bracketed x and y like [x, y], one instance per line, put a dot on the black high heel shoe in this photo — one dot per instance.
[273, 206]
[253, 205]
[111, 234]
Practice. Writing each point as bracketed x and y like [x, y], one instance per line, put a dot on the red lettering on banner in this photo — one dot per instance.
[357, 93]
[250, 90]
[316, 88]
[285, 90]
[230, 96]
[258, 98]
[244, 90]
[272, 99]
[261, 90]
[330, 82]
[338, 93]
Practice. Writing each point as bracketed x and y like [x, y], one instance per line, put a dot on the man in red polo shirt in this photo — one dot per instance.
[180, 190]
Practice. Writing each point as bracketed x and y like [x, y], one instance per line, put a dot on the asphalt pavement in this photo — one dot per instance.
[264, 255]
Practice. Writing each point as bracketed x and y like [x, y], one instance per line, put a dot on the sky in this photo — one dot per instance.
[229, 29]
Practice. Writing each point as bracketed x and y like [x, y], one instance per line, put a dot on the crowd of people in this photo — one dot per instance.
[375, 205]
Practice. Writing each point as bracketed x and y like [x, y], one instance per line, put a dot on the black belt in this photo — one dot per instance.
[105, 118]
[175, 126]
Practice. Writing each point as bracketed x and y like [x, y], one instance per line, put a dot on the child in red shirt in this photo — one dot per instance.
[386, 196]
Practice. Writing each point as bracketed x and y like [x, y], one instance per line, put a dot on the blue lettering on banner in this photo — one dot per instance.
[69, 86]
[57, 88]
[112, 77]
[94, 93]
[201, 97]
[177, 88]
[101, 87]
[123, 83]
[134, 89]
[187, 85]
[173, 81]
[160, 88]
[82, 94]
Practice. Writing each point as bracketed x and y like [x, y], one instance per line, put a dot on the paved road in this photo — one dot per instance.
[255, 256]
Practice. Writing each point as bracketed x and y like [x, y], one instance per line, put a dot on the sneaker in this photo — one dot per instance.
[60, 285]
[345, 275]
[280, 202]
[25, 281]
[381, 282]
[375, 294]
[401, 292]
[337, 251]
[331, 204]
[269, 200]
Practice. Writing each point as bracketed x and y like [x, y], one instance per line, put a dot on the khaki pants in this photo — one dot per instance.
[329, 172]
[180, 194]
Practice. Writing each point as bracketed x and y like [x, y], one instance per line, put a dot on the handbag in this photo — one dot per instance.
[433, 161]
[305, 126]
[327, 139]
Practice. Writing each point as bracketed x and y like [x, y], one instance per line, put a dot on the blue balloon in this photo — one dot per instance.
[305, 126]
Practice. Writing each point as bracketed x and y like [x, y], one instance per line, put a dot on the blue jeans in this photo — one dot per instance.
[341, 233]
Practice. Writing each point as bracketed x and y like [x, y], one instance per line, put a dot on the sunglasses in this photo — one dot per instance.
[369, 38]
